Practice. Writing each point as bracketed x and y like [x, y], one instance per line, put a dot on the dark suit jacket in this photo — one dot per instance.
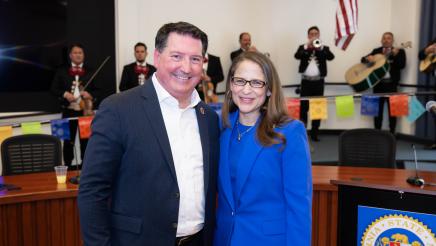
[129, 78]
[214, 69]
[63, 82]
[235, 53]
[397, 63]
[128, 189]
[322, 56]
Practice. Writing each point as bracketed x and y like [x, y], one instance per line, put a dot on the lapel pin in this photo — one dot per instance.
[202, 111]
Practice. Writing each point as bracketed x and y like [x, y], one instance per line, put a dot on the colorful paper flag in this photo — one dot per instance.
[5, 132]
[60, 129]
[31, 127]
[294, 106]
[344, 106]
[85, 126]
[318, 109]
[416, 109]
[399, 105]
[369, 105]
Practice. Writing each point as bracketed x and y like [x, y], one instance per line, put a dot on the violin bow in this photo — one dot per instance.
[96, 72]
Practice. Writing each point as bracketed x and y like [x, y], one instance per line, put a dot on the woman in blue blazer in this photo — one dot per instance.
[265, 179]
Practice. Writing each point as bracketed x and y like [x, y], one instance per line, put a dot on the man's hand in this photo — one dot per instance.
[395, 51]
[252, 48]
[86, 95]
[204, 77]
[370, 58]
[69, 97]
[430, 49]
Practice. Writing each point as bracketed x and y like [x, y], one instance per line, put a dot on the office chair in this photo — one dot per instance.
[367, 148]
[30, 153]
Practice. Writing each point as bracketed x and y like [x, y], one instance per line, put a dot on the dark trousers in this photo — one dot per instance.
[68, 149]
[310, 88]
[385, 87]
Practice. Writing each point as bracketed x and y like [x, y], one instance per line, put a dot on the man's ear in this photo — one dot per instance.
[156, 56]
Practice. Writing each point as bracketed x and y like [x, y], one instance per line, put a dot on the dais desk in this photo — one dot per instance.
[45, 213]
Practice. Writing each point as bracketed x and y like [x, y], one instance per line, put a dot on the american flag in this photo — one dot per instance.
[346, 22]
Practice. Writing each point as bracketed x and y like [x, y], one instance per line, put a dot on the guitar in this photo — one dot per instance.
[428, 64]
[365, 76]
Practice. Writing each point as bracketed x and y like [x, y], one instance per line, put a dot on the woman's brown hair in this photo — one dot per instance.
[273, 111]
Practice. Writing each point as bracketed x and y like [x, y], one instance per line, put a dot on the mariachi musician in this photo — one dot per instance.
[396, 57]
[313, 58]
[138, 72]
[428, 52]
[212, 75]
[68, 86]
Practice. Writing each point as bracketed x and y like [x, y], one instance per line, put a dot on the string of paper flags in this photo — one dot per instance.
[400, 104]
[60, 128]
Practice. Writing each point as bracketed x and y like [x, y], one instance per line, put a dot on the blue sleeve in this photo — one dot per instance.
[297, 176]
[101, 162]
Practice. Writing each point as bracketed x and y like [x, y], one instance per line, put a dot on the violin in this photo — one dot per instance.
[86, 103]
[209, 95]
[82, 103]
[207, 88]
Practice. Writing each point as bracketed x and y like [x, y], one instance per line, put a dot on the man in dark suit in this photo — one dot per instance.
[245, 43]
[397, 61]
[150, 168]
[66, 86]
[138, 72]
[313, 58]
[430, 49]
[212, 72]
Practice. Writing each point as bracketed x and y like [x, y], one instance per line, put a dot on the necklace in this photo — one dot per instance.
[241, 134]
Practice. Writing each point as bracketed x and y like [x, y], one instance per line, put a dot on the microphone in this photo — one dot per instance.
[415, 180]
[430, 106]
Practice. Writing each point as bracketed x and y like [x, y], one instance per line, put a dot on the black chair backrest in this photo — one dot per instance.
[367, 148]
[30, 153]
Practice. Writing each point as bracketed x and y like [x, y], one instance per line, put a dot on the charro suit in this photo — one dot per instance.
[129, 78]
[214, 70]
[61, 83]
[236, 53]
[397, 63]
[312, 87]
[129, 193]
[269, 202]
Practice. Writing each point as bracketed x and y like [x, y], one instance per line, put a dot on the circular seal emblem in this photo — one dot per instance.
[397, 230]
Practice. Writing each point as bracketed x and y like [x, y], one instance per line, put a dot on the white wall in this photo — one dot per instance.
[277, 27]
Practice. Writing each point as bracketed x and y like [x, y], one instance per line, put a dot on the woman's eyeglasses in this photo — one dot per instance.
[255, 83]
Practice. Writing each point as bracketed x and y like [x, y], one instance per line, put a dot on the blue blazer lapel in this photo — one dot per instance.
[248, 157]
[224, 167]
[202, 119]
[156, 121]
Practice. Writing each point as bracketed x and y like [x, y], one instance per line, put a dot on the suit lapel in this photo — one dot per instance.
[248, 158]
[246, 162]
[155, 118]
[224, 167]
[202, 119]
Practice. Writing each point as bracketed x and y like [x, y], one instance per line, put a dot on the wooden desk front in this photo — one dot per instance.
[45, 213]
[40, 213]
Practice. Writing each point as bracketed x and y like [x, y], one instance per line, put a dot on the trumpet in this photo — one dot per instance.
[317, 43]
